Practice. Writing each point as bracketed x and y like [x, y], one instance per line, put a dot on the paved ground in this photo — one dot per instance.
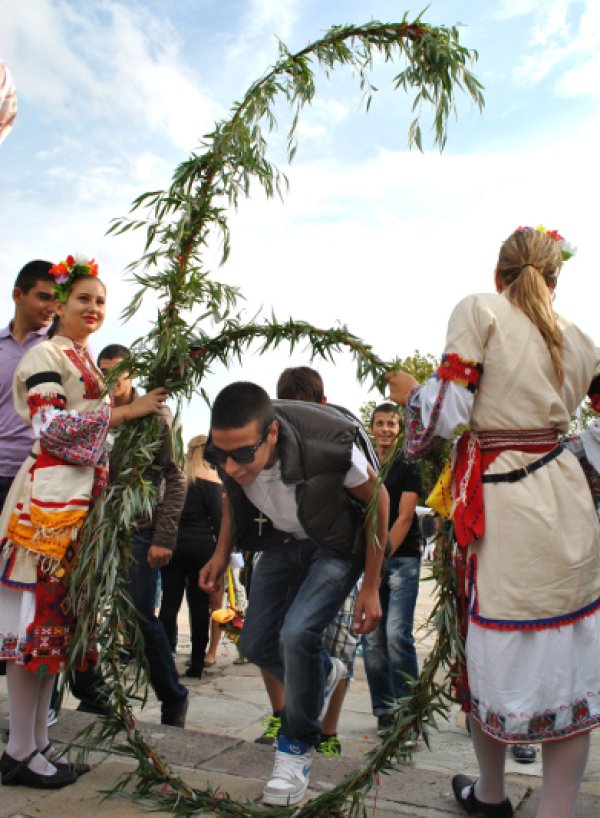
[216, 748]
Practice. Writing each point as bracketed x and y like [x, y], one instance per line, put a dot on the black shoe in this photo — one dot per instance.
[473, 806]
[194, 671]
[174, 713]
[98, 709]
[523, 753]
[77, 767]
[384, 723]
[17, 772]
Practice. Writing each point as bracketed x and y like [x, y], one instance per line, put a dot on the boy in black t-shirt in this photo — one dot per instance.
[390, 649]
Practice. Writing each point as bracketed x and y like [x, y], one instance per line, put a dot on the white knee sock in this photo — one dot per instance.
[41, 713]
[491, 755]
[564, 765]
[23, 690]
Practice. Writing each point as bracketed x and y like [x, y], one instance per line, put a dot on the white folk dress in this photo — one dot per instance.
[533, 576]
[59, 391]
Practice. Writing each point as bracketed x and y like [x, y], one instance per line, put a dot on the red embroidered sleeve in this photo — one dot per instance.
[78, 438]
[419, 439]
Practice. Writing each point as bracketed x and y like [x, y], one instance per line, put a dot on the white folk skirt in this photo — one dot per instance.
[530, 686]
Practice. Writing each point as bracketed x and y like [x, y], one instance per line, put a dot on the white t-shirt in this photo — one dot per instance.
[277, 500]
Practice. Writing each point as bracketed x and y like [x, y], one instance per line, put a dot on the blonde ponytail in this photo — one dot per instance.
[528, 265]
[194, 459]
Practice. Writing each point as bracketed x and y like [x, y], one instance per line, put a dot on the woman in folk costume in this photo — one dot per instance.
[60, 392]
[524, 519]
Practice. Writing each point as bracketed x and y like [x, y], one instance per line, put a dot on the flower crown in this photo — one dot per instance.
[65, 273]
[566, 248]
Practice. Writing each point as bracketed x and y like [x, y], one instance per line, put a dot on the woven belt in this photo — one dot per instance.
[518, 474]
[515, 438]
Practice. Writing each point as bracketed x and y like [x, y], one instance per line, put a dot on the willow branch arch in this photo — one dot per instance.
[179, 224]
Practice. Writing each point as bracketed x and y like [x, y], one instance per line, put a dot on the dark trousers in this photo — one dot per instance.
[5, 484]
[179, 576]
[141, 587]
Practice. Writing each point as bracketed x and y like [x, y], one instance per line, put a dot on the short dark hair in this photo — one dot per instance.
[31, 273]
[239, 404]
[384, 408]
[594, 387]
[300, 383]
[113, 351]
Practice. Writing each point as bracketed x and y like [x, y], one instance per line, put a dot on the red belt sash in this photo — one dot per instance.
[475, 452]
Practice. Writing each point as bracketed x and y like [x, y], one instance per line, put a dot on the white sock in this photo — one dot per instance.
[41, 713]
[564, 765]
[23, 690]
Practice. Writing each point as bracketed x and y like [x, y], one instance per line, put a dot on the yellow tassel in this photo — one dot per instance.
[440, 499]
[230, 588]
[48, 534]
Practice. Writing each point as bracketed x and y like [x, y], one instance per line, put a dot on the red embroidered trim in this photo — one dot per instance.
[74, 501]
[462, 373]
[92, 386]
[46, 460]
[39, 401]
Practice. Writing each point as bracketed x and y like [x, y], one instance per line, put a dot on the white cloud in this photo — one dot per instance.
[278, 16]
[508, 9]
[263, 22]
[583, 79]
[35, 43]
[565, 34]
[150, 79]
[111, 60]
[318, 121]
[551, 21]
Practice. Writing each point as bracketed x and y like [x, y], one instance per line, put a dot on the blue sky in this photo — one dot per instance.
[112, 95]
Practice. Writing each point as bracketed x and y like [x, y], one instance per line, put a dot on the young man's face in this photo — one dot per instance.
[35, 307]
[244, 438]
[385, 430]
[122, 386]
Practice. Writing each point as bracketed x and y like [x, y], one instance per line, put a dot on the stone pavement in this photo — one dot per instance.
[216, 748]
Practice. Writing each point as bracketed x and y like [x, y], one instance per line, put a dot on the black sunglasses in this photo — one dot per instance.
[243, 455]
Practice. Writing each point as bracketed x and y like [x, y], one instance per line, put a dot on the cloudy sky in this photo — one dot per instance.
[113, 95]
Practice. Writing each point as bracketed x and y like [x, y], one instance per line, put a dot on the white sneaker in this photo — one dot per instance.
[337, 672]
[291, 773]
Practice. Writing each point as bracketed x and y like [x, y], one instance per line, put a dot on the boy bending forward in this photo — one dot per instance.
[297, 489]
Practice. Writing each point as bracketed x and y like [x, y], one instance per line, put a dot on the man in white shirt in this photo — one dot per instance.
[296, 486]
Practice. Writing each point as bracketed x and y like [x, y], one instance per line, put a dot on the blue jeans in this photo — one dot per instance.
[143, 580]
[296, 590]
[391, 647]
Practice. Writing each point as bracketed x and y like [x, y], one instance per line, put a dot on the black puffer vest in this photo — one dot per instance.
[315, 448]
